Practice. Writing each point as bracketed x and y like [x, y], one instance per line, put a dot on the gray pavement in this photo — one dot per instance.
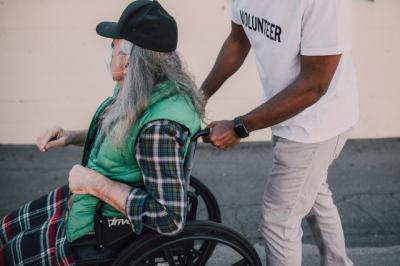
[365, 181]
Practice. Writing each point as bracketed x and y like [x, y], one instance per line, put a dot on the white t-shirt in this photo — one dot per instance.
[282, 30]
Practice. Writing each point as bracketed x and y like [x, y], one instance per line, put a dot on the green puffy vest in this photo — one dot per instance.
[120, 164]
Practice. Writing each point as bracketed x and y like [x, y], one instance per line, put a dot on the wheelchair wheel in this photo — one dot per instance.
[189, 248]
[202, 203]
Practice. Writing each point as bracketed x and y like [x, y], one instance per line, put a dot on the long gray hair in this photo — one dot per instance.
[145, 70]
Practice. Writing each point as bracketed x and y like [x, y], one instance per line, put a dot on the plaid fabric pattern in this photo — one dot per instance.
[162, 204]
[35, 233]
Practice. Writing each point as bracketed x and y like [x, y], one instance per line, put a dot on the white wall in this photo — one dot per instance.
[52, 68]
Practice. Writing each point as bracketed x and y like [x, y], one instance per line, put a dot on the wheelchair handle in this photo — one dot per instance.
[201, 133]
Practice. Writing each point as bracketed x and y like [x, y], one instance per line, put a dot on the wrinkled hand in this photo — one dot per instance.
[54, 137]
[82, 180]
[222, 135]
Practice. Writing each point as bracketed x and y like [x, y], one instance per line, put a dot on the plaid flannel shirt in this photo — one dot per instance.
[162, 203]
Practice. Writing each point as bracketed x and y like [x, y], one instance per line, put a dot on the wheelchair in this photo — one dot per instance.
[203, 241]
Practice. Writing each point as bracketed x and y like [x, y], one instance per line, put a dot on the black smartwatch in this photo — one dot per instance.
[240, 130]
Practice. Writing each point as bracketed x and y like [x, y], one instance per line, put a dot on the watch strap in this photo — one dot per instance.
[239, 128]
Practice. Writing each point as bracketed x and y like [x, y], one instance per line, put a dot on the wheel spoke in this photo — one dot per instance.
[148, 262]
[169, 256]
[195, 253]
[152, 262]
[192, 257]
[200, 255]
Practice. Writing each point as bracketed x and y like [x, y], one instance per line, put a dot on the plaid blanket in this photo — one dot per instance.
[35, 233]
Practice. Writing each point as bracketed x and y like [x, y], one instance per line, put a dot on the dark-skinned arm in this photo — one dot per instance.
[311, 84]
[230, 58]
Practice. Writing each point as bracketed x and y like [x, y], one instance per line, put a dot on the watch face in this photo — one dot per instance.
[240, 129]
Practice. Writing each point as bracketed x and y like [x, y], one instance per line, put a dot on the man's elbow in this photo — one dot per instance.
[316, 92]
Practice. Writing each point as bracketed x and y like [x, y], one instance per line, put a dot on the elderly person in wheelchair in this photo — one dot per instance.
[128, 201]
[135, 148]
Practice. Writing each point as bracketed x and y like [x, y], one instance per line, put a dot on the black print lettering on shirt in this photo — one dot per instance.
[261, 25]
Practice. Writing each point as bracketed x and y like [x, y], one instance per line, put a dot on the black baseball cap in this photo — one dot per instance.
[145, 23]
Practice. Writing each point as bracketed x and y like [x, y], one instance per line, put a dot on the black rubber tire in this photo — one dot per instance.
[154, 243]
[202, 191]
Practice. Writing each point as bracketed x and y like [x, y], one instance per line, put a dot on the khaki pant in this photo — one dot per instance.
[297, 188]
